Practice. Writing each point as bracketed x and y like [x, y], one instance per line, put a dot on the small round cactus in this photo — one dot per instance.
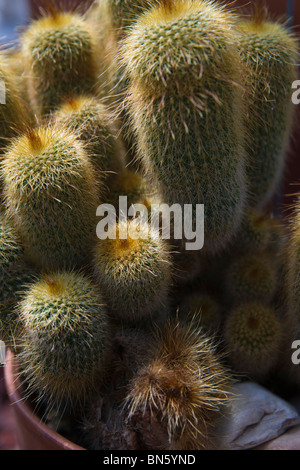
[133, 267]
[269, 50]
[252, 277]
[187, 109]
[94, 124]
[51, 196]
[66, 338]
[60, 50]
[177, 397]
[252, 335]
[11, 248]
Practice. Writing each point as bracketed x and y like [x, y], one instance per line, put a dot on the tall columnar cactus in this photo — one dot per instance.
[252, 277]
[66, 338]
[95, 125]
[133, 266]
[187, 109]
[269, 50]
[51, 196]
[252, 335]
[60, 50]
[177, 397]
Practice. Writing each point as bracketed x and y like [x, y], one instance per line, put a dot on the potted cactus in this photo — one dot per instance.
[122, 338]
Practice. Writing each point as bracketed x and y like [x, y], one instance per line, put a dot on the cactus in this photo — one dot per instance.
[203, 308]
[252, 335]
[51, 196]
[66, 338]
[269, 50]
[95, 126]
[252, 277]
[60, 50]
[134, 271]
[175, 400]
[187, 110]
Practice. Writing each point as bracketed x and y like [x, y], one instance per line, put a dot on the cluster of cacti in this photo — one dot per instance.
[166, 102]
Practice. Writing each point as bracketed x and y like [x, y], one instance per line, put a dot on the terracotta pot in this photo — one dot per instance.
[31, 432]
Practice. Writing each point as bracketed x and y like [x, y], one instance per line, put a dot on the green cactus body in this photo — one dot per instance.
[252, 334]
[66, 338]
[95, 126]
[134, 272]
[269, 50]
[187, 109]
[252, 277]
[61, 53]
[51, 197]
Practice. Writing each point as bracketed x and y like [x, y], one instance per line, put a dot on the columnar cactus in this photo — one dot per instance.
[269, 50]
[187, 109]
[51, 196]
[252, 334]
[66, 338]
[133, 266]
[60, 50]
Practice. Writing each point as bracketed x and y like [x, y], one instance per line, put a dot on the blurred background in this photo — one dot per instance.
[14, 14]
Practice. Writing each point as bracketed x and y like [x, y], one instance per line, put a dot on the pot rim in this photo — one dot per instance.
[12, 384]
